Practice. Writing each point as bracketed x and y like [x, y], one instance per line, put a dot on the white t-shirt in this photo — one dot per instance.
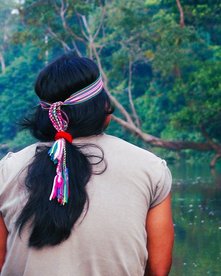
[111, 239]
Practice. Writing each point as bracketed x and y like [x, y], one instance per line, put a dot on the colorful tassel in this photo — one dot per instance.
[60, 189]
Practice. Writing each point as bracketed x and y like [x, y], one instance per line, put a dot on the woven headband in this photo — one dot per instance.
[82, 95]
[57, 152]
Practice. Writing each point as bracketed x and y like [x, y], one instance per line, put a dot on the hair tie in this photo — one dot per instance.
[63, 134]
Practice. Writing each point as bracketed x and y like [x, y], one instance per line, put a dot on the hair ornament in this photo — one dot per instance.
[60, 189]
[57, 152]
[62, 134]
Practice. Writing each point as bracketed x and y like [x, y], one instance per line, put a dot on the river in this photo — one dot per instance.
[196, 207]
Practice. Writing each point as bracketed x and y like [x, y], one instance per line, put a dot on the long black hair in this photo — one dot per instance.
[50, 222]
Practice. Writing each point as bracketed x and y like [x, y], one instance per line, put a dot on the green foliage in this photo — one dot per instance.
[201, 96]
[17, 96]
[174, 71]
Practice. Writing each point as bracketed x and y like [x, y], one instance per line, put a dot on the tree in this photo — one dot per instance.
[155, 51]
[16, 86]
[7, 29]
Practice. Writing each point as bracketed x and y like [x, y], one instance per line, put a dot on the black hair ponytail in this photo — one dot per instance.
[50, 222]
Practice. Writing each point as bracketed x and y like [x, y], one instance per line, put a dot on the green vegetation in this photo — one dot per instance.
[161, 61]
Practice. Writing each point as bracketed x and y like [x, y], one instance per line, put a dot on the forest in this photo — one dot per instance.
[160, 61]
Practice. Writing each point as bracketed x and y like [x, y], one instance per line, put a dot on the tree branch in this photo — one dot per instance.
[105, 79]
[63, 10]
[116, 103]
[76, 48]
[2, 61]
[137, 121]
[157, 142]
[180, 8]
[79, 16]
[100, 25]
[214, 160]
[55, 36]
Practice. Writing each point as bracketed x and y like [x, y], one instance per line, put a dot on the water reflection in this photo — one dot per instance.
[197, 218]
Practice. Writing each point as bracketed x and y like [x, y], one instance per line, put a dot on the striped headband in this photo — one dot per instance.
[82, 95]
[57, 153]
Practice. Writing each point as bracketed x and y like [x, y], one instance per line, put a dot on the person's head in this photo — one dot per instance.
[58, 81]
[74, 103]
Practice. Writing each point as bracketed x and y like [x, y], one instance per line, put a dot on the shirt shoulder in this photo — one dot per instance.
[11, 167]
[143, 165]
[15, 161]
[121, 146]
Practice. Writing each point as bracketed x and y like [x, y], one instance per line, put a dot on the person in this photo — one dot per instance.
[81, 202]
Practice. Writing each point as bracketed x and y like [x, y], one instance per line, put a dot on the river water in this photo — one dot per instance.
[196, 207]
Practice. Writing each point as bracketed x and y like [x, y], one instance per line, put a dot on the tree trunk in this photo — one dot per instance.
[2, 61]
[136, 118]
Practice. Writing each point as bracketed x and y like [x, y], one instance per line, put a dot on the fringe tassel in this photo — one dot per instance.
[60, 189]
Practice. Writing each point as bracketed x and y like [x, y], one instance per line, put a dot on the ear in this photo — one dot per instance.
[107, 121]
